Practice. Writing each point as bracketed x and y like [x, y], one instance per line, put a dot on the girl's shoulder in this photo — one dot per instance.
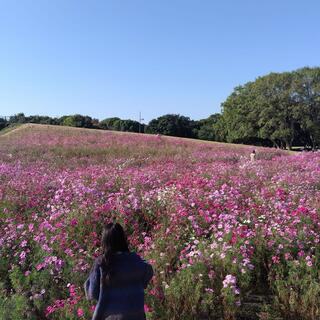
[127, 255]
[130, 257]
[139, 260]
[135, 256]
[120, 256]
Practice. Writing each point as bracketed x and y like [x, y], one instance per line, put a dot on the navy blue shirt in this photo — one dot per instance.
[123, 298]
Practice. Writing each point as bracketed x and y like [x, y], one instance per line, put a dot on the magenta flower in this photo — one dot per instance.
[80, 312]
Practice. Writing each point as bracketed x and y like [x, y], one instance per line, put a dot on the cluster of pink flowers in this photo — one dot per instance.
[230, 281]
[71, 301]
[50, 260]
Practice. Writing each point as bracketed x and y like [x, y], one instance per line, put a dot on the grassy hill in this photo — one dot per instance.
[38, 130]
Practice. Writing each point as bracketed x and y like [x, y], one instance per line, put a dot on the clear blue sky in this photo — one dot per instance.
[116, 58]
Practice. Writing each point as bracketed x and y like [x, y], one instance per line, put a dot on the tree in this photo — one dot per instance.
[239, 114]
[131, 126]
[17, 118]
[118, 124]
[3, 123]
[206, 127]
[280, 107]
[77, 120]
[110, 123]
[307, 97]
[276, 106]
[172, 125]
[220, 129]
[41, 119]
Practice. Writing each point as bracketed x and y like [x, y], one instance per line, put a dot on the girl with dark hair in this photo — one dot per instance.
[118, 279]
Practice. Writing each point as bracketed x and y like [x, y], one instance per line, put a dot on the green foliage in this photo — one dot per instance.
[307, 86]
[186, 297]
[172, 125]
[279, 107]
[110, 123]
[3, 123]
[42, 120]
[18, 118]
[297, 288]
[15, 307]
[78, 120]
[121, 125]
[206, 132]
[208, 129]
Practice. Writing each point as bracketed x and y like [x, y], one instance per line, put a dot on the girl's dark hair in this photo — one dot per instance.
[113, 240]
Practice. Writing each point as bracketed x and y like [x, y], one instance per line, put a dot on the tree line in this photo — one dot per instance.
[279, 109]
[76, 120]
[169, 124]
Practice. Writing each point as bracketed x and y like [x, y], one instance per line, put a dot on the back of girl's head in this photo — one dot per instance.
[114, 238]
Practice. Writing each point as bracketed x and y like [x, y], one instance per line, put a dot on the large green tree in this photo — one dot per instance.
[275, 107]
[121, 125]
[78, 120]
[18, 118]
[307, 98]
[110, 123]
[207, 129]
[173, 125]
[279, 107]
[240, 114]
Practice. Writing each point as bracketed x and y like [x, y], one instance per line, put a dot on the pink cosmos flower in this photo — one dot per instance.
[74, 222]
[22, 255]
[147, 308]
[275, 259]
[309, 261]
[80, 312]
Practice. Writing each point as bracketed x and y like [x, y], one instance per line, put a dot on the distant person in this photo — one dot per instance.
[118, 279]
[253, 155]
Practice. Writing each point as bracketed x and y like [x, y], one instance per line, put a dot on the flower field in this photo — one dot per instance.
[216, 227]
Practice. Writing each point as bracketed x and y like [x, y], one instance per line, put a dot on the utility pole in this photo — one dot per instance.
[140, 119]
